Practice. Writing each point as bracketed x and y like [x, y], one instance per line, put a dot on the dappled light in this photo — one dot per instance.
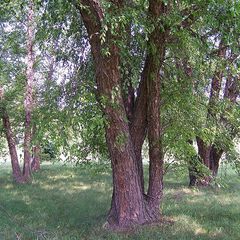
[119, 119]
[66, 201]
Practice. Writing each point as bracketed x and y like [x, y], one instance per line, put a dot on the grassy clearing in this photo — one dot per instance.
[72, 203]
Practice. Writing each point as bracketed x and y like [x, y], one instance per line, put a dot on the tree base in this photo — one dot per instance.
[22, 180]
[133, 227]
[150, 216]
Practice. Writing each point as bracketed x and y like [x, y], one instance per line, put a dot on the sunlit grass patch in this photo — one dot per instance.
[72, 203]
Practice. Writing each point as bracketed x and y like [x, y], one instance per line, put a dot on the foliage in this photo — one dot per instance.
[67, 112]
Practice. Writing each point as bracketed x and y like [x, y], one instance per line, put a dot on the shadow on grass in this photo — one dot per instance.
[72, 203]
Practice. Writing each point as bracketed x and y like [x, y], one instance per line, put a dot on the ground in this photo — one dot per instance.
[65, 202]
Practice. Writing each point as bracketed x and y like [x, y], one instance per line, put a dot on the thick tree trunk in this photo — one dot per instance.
[16, 170]
[130, 206]
[28, 102]
[206, 151]
[155, 187]
[156, 58]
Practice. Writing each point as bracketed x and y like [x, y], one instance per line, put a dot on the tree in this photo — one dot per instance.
[13, 52]
[130, 205]
[224, 90]
[28, 102]
[16, 170]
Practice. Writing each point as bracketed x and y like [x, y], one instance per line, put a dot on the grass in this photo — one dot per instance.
[66, 202]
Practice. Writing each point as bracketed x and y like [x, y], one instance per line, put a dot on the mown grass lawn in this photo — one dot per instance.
[66, 202]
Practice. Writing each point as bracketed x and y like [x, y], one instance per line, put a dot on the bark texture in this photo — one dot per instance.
[126, 130]
[156, 57]
[16, 170]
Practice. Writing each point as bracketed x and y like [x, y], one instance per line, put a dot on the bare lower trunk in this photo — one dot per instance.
[128, 202]
[16, 171]
[210, 157]
[155, 187]
[157, 41]
[138, 126]
[36, 152]
[27, 147]
[130, 206]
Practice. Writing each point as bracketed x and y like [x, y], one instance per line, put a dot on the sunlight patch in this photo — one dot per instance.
[81, 187]
[190, 224]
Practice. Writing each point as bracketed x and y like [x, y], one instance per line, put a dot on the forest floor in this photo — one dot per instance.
[71, 203]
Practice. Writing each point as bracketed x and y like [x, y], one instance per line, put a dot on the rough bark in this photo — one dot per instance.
[155, 146]
[136, 109]
[129, 206]
[138, 125]
[28, 102]
[155, 188]
[16, 170]
[128, 203]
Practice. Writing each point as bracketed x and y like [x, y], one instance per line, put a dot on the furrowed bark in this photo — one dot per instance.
[16, 170]
[128, 205]
[157, 41]
[138, 126]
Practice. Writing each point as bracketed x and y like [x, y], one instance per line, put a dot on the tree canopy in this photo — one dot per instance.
[101, 78]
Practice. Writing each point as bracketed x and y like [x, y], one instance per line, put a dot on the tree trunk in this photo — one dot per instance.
[204, 149]
[16, 170]
[155, 188]
[36, 152]
[28, 102]
[138, 126]
[35, 165]
[156, 58]
[130, 206]
[215, 156]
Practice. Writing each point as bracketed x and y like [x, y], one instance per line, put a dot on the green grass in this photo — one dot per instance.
[72, 203]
